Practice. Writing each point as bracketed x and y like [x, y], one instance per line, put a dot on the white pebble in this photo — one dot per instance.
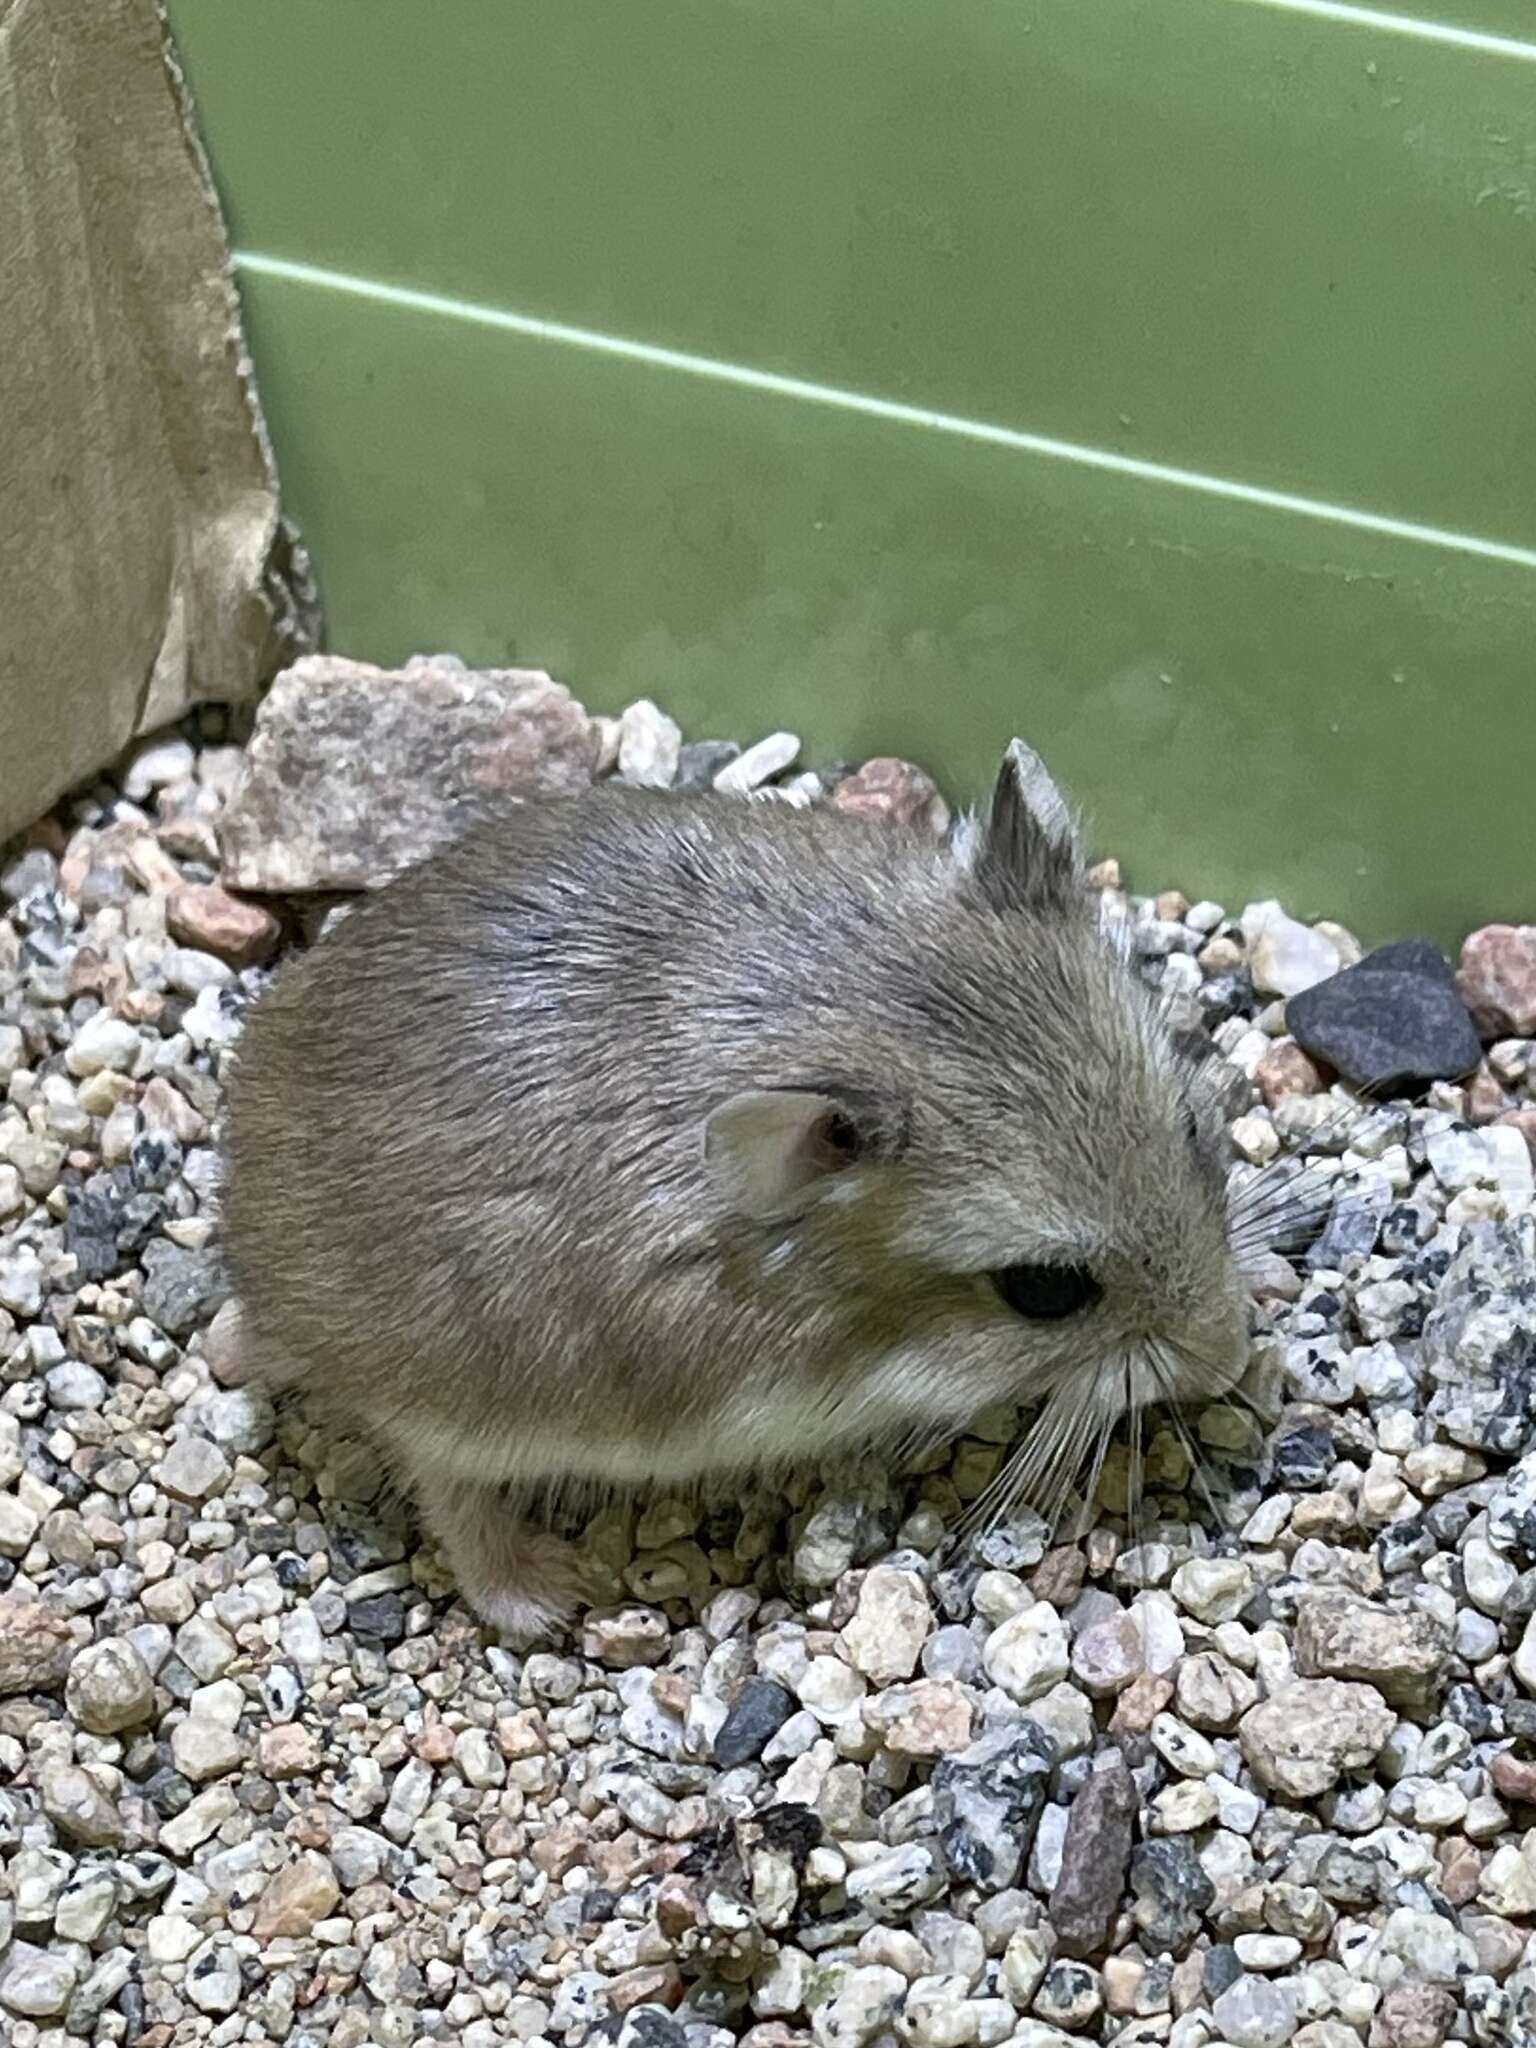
[104, 1042]
[759, 764]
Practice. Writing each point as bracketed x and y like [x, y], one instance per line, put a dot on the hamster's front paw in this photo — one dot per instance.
[525, 1616]
[522, 1581]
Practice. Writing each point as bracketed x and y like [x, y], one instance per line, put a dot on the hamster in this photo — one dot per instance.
[637, 1137]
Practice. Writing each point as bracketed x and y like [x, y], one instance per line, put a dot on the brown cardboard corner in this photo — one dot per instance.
[144, 562]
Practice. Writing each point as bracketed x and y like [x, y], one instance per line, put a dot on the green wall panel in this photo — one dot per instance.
[1289, 252]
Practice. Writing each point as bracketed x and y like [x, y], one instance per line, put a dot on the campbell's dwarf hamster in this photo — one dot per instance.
[638, 1136]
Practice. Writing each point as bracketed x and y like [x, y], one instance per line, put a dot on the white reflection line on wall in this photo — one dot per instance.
[892, 411]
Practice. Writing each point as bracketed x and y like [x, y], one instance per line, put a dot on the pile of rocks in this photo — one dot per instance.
[816, 1773]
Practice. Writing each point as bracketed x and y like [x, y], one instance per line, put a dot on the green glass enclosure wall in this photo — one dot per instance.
[1057, 305]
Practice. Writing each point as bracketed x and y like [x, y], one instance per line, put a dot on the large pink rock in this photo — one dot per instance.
[1497, 979]
[203, 915]
[356, 772]
[893, 790]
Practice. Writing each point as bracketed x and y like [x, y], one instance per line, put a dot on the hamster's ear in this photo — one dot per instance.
[1028, 855]
[772, 1150]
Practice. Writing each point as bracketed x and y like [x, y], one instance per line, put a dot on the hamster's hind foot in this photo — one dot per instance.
[523, 1581]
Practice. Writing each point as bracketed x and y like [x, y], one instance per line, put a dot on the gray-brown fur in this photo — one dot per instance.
[541, 1159]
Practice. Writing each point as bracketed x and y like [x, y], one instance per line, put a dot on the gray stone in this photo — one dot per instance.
[1170, 1893]
[203, 1748]
[18, 1526]
[358, 1856]
[37, 1983]
[206, 1647]
[1479, 1345]
[194, 1468]
[1029, 1653]
[38, 1878]
[86, 1904]
[700, 761]
[1213, 1589]
[829, 1540]
[862, 2005]
[642, 2026]
[21, 1283]
[830, 1688]
[1390, 1025]
[240, 1420]
[108, 1978]
[75, 1387]
[757, 1713]
[478, 1760]
[1285, 957]
[78, 1807]
[182, 1288]
[109, 1688]
[895, 1884]
[104, 1042]
[407, 1799]
[1026, 1958]
[1070, 1997]
[213, 1978]
[1256, 2012]
[356, 772]
[987, 1801]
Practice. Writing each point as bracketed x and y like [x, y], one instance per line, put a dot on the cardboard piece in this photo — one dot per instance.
[144, 565]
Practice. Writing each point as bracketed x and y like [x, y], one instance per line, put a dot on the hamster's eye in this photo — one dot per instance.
[840, 1135]
[1047, 1294]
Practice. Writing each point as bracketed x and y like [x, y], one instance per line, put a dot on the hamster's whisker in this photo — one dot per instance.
[916, 1441]
[1240, 1397]
[1199, 1465]
[1263, 1229]
[1341, 1120]
[1253, 1261]
[1135, 1411]
[998, 1498]
[1103, 1407]
[1065, 1450]
[1346, 1117]
[1103, 1438]
[1311, 1158]
[1278, 1190]
[1164, 1368]
[1287, 1230]
[1072, 1467]
[1291, 1195]
[1285, 1190]
[1054, 1444]
[1276, 1235]
[1061, 1453]
[1290, 1226]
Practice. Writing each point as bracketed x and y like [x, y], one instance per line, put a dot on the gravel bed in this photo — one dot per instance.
[1254, 1765]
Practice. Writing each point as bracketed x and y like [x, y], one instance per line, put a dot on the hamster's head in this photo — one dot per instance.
[999, 1177]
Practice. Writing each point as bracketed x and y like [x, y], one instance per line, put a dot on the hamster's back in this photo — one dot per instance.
[503, 1061]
